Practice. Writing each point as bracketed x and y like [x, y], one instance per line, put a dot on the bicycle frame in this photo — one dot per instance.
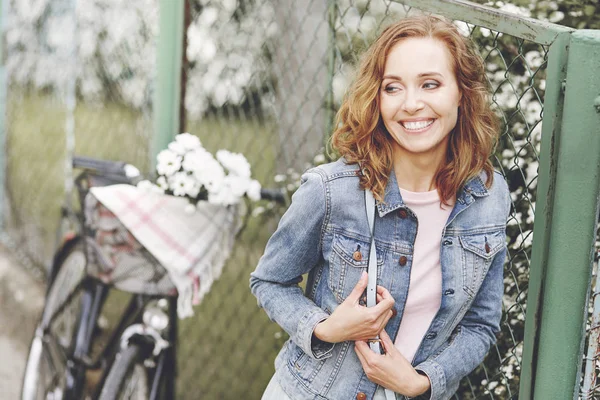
[94, 294]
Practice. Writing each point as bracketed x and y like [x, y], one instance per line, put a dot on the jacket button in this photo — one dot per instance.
[361, 396]
[403, 214]
[357, 256]
[402, 261]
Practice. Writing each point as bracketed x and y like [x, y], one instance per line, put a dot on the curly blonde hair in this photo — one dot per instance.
[361, 136]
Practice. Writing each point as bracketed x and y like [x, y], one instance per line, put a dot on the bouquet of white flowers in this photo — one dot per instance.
[187, 169]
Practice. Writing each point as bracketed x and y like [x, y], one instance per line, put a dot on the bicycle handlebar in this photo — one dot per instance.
[275, 195]
[100, 167]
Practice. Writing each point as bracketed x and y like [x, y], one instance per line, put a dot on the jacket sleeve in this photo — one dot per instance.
[474, 335]
[293, 250]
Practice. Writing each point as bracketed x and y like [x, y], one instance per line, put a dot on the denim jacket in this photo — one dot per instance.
[325, 224]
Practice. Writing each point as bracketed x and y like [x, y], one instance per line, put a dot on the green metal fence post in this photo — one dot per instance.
[569, 240]
[3, 83]
[551, 126]
[168, 78]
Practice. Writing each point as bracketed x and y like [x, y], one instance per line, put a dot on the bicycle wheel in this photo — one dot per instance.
[127, 379]
[51, 346]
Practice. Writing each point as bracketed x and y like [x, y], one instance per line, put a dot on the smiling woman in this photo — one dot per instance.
[416, 132]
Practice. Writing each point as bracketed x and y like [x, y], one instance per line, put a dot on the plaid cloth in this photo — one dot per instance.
[192, 247]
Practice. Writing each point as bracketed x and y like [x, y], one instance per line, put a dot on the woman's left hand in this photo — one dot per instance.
[391, 370]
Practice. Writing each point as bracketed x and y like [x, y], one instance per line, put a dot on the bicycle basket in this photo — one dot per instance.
[116, 257]
[144, 242]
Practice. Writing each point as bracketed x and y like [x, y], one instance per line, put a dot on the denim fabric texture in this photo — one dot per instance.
[325, 224]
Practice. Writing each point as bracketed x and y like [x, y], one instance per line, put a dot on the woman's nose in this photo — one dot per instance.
[412, 102]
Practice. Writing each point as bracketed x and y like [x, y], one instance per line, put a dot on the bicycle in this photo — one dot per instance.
[138, 360]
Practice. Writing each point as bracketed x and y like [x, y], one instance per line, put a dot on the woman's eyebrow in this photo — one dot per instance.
[421, 75]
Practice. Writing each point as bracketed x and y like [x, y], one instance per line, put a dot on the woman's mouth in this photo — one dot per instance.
[417, 126]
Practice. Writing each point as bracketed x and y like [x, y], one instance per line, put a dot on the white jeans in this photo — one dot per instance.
[275, 392]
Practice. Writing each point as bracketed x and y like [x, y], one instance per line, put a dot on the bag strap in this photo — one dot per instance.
[372, 271]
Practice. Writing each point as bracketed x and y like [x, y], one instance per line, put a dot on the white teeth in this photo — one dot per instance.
[417, 125]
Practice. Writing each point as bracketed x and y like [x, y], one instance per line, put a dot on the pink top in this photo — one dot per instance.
[425, 290]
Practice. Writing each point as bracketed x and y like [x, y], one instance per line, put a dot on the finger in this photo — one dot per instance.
[359, 288]
[362, 349]
[379, 297]
[383, 306]
[384, 292]
[386, 341]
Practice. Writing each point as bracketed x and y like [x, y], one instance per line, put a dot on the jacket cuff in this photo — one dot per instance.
[436, 376]
[310, 344]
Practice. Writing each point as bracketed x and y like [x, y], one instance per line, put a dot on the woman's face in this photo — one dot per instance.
[419, 97]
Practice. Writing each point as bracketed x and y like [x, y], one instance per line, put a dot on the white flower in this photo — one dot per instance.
[235, 163]
[319, 159]
[258, 211]
[149, 187]
[162, 183]
[211, 175]
[193, 160]
[188, 141]
[131, 171]
[279, 178]
[177, 148]
[181, 183]
[195, 189]
[236, 185]
[189, 208]
[167, 163]
[253, 191]
[223, 197]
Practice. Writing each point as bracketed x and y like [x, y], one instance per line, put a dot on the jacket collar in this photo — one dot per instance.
[466, 195]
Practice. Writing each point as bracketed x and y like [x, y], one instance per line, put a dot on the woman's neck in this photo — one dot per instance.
[416, 173]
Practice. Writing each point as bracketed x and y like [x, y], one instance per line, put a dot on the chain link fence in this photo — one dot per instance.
[265, 79]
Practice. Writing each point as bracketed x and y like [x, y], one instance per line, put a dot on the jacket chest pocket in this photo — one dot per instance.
[477, 252]
[349, 258]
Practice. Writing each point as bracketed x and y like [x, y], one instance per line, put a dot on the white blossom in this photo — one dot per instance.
[279, 178]
[195, 160]
[253, 191]
[181, 184]
[188, 141]
[167, 162]
[148, 186]
[235, 163]
[131, 171]
[177, 148]
[223, 197]
[162, 183]
[211, 175]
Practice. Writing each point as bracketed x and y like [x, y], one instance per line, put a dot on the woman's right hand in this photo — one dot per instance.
[353, 321]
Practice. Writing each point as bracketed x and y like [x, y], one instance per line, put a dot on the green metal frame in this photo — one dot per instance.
[557, 341]
[167, 96]
[3, 90]
[566, 212]
[512, 24]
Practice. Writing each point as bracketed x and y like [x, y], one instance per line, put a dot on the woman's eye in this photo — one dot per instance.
[391, 89]
[431, 85]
